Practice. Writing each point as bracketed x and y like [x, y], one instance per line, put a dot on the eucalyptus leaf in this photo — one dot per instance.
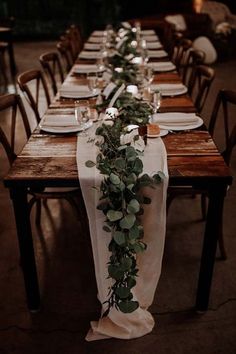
[115, 272]
[128, 306]
[126, 263]
[114, 215]
[90, 163]
[131, 282]
[119, 238]
[133, 206]
[138, 166]
[139, 247]
[131, 178]
[122, 292]
[128, 221]
[114, 179]
[106, 228]
[120, 163]
[134, 233]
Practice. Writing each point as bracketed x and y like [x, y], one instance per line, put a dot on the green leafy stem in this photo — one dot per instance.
[122, 204]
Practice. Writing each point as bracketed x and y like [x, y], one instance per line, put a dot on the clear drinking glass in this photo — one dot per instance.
[82, 114]
[92, 79]
[156, 101]
[149, 74]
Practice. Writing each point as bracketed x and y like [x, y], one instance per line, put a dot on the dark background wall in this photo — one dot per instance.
[49, 18]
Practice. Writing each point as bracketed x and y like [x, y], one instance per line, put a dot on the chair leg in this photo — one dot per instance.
[73, 204]
[169, 200]
[204, 206]
[38, 212]
[3, 70]
[221, 243]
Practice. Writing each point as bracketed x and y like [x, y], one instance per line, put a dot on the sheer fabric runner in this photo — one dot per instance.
[140, 322]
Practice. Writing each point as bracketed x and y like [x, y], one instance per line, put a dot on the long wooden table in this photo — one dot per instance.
[50, 161]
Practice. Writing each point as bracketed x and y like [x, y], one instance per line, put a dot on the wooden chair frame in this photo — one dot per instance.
[23, 81]
[51, 65]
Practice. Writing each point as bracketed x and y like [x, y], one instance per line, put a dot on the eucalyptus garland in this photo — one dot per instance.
[121, 199]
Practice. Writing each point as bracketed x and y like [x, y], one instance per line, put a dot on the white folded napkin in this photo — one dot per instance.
[150, 38]
[86, 68]
[148, 32]
[89, 55]
[154, 45]
[176, 118]
[162, 66]
[97, 33]
[95, 39]
[157, 53]
[95, 46]
[67, 90]
[54, 120]
[170, 89]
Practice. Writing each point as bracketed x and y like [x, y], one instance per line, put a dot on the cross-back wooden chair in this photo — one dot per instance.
[36, 77]
[65, 51]
[11, 104]
[224, 98]
[194, 58]
[201, 82]
[183, 48]
[74, 36]
[52, 67]
[3, 65]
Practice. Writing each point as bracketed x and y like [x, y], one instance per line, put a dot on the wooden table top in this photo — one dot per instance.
[51, 159]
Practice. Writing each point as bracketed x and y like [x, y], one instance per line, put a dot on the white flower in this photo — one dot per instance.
[111, 113]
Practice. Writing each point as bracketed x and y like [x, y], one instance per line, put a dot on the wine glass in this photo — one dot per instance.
[92, 79]
[82, 114]
[149, 75]
[156, 101]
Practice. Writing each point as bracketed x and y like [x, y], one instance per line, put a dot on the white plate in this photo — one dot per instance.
[162, 68]
[163, 132]
[85, 70]
[81, 95]
[182, 127]
[171, 93]
[71, 129]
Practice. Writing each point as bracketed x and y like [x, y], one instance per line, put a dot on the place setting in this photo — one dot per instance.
[78, 121]
[76, 91]
[177, 121]
[170, 89]
[162, 66]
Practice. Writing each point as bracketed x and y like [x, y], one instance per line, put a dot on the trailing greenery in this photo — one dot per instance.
[121, 199]
[122, 204]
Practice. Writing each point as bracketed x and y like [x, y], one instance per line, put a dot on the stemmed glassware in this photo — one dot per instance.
[92, 82]
[156, 101]
[82, 114]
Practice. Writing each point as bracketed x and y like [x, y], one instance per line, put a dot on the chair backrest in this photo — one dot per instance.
[65, 51]
[230, 145]
[223, 99]
[74, 36]
[52, 66]
[182, 53]
[201, 81]
[12, 105]
[34, 76]
[194, 58]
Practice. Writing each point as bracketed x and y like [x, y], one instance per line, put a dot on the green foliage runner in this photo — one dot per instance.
[121, 198]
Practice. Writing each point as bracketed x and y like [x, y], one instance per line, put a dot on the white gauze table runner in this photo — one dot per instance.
[139, 322]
